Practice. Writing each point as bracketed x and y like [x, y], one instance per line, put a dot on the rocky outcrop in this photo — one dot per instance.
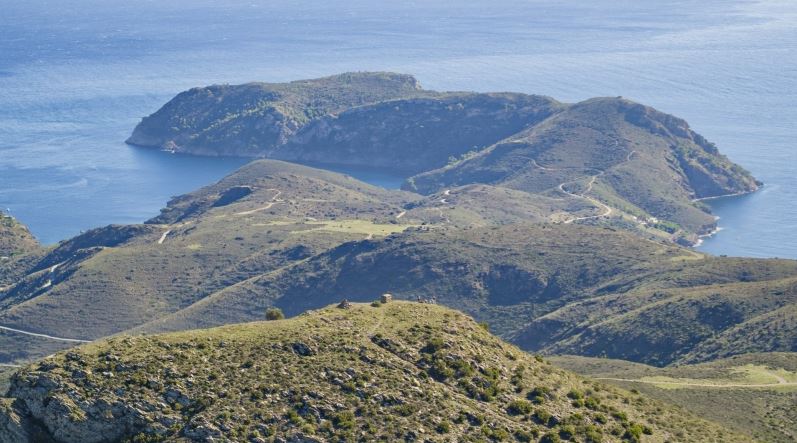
[15, 426]
[43, 398]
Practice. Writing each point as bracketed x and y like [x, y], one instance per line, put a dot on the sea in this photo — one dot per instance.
[76, 76]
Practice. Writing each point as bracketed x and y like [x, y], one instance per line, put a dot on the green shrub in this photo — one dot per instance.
[443, 427]
[634, 431]
[550, 438]
[592, 403]
[538, 394]
[542, 416]
[575, 394]
[593, 435]
[344, 420]
[567, 432]
[526, 436]
[294, 417]
[519, 407]
[274, 314]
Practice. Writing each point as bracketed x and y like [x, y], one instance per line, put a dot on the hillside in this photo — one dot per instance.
[415, 135]
[504, 275]
[757, 391]
[407, 371]
[626, 159]
[250, 120]
[263, 217]
[546, 287]
[663, 325]
[281, 234]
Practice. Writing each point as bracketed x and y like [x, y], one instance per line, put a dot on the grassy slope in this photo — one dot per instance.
[505, 275]
[667, 324]
[15, 238]
[401, 370]
[767, 413]
[483, 205]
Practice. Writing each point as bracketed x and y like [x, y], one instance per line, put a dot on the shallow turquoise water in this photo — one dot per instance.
[75, 79]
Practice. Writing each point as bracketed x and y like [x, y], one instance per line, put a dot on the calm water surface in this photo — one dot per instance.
[75, 77]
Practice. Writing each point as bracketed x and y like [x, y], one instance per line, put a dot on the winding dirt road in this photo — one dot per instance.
[163, 237]
[49, 337]
[267, 206]
[607, 210]
[781, 382]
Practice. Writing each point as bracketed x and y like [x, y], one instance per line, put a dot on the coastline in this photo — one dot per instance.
[737, 194]
[717, 229]
[710, 234]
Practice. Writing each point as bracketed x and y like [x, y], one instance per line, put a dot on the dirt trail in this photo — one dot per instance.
[372, 330]
[163, 237]
[401, 214]
[273, 201]
[50, 337]
[446, 193]
[607, 210]
[781, 383]
[8, 365]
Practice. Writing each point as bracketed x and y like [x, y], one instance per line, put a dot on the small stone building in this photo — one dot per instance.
[386, 298]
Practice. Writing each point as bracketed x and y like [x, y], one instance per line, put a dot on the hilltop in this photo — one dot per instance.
[18, 250]
[619, 162]
[252, 119]
[407, 371]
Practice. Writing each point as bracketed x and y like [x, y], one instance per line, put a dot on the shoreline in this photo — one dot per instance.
[718, 228]
[737, 194]
[708, 235]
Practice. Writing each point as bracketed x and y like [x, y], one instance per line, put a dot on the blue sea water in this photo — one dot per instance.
[76, 76]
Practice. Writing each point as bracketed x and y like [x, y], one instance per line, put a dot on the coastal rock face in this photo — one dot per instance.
[250, 120]
[399, 371]
[415, 135]
[19, 251]
[15, 238]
